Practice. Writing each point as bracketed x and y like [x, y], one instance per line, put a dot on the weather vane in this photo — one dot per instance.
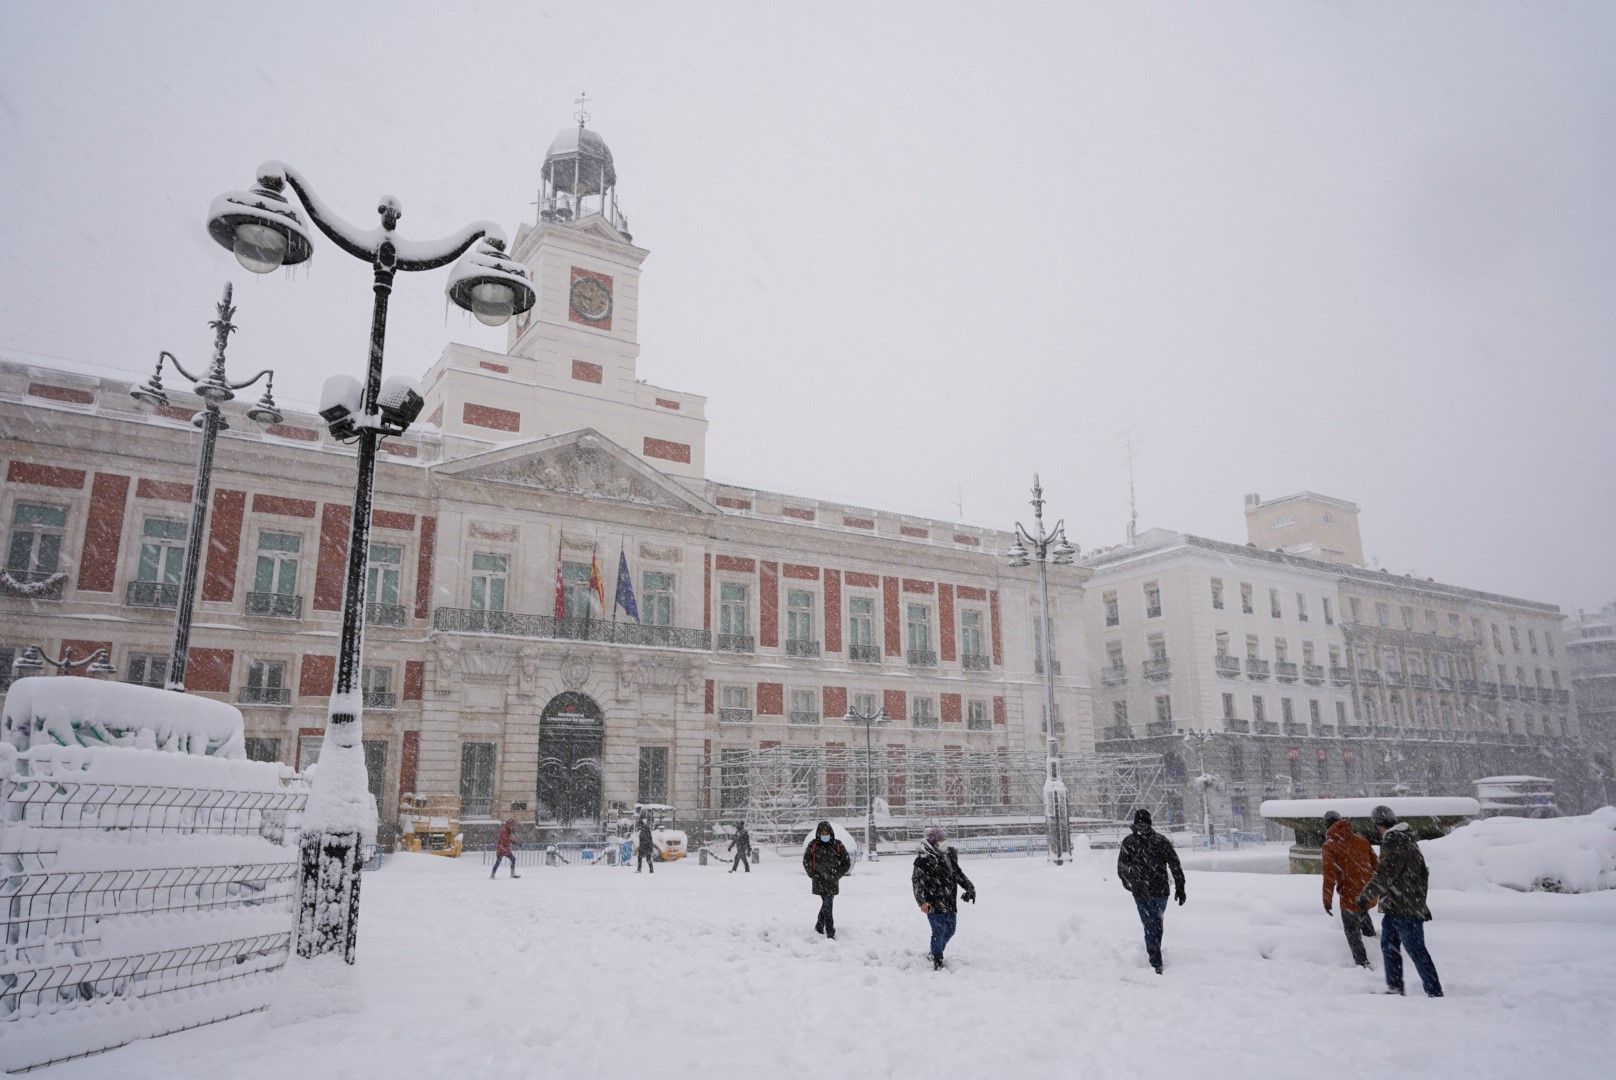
[581, 115]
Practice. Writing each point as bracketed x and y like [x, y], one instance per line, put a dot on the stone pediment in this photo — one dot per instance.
[583, 463]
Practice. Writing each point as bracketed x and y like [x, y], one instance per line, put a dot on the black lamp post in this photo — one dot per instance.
[1045, 548]
[214, 390]
[265, 232]
[33, 659]
[869, 720]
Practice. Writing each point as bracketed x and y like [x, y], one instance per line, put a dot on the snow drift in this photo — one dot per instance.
[1569, 854]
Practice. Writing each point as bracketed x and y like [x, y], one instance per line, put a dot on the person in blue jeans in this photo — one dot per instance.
[1143, 865]
[1401, 884]
[937, 881]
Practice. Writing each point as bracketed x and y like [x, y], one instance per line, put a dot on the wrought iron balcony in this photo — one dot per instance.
[1467, 686]
[275, 605]
[152, 594]
[1255, 668]
[975, 662]
[735, 716]
[385, 614]
[801, 647]
[801, 716]
[1545, 695]
[930, 720]
[1238, 724]
[33, 584]
[1323, 731]
[1419, 681]
[516, 624]
[1339, 675]
[1443, 682]
[1313, 674]
[1115, 675]
[1159, 727]
[1354, 731]
[1294, 728]
[1369, 676]
[922, 658]
[1118, 731]
[737, 643]
[1227, 666]
[1267, 727]
[266, 695]
[864, 654]
[1562, 697]
[1393, 677]
[1487, 689]
[1158, 669]
[1509, 692]
[380, 699]
[1285, 670]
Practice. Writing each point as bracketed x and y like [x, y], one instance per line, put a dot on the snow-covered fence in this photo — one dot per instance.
[141, 892]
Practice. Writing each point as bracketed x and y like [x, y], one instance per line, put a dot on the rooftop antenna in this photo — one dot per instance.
[1130, 453]
[581, 115]
[959, 502]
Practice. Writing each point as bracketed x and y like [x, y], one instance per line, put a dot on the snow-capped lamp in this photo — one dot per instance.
[1018, 555]
[340, 406]
[1063, 553]
[489, 284]
[262, 229]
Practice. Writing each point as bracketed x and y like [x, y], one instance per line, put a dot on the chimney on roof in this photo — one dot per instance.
[1252, 499]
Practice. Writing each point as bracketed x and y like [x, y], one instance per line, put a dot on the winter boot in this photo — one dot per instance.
[937, 963]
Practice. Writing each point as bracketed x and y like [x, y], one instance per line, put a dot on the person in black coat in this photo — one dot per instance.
[826, 862]
[646, 848]
[937, 879]
[1400, 884]
[742, 847]
[1143, 864]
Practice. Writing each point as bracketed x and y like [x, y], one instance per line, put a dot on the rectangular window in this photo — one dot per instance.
[266, 683]
[861, 622]
[375, 766]
[488, 574]
[1453, 623]
[1515, 639]
[1113, 656]
[1307, 652]
[1153, 608]
[35, 548]
[653, 774]
[1383, 614]
[1498, 641]
[476, 779]
[971, 639]
[1274, 608]
[147, 669]
[1287, 710]
[1228, 707]
[1355, 608]
[1119, 713]
[656, 598]
[1157, 643]
[1217, 594]
[376, 683]
[800, 615]
[1164, 709]
[865, 703]
[1282, 650]
[276, 570]
[734, 609]
[162, 551]
[976, 716]
[577, 598]
[804, 707]
[918, 624]
[1408, 617]
[1245, 598]
[1329, 611]
[308, 750]
[1341, 712]
[1431, 623]
[1313, 713]
[263, 749]
[1301, 608]
[923, 712]
[1113, 614]
[1258, 711]
[737, 697]
[384, 574]
[733, 793]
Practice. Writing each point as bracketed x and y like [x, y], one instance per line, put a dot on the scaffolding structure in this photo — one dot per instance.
[781, 790]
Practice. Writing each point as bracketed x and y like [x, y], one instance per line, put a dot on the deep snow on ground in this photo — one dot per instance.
[692, 972]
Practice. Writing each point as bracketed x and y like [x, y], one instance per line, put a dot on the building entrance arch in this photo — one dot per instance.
[572, 736]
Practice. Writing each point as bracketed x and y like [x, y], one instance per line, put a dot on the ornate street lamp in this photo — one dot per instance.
[32, 660]
[1044, 548]
[1203, 779]
[869, 720]
[214, 390]
[265, 231]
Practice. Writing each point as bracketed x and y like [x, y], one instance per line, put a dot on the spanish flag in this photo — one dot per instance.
[597, 584]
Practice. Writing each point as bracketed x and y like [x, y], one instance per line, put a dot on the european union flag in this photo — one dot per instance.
[625, 589]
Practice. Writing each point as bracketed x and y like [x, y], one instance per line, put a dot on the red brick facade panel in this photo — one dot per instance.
[735, 564]
[177, 412]
[332, 564]
[836, 774]
[287, 431]
[318, 676]
[914, 531]
[859, 580]
[667, 404]
[998, 711]
[799, 572]
[392, 519]
[164, 490]
[707, 592]
[857, 522]
[276, 504]
[769, 604]
[207, 671]
[834, 702]
[914, 586]
[26, 472]
[605, 280]
[945, 622]
[968, 541]
[667, 450]
[423, 567]
[70, 394]
[103, 530]
[414, 679]
[224, 545]
[707, 699]
[584, 371]
[952, 710]
[486, 416]
[896, 703]
[500, 369]
[993, 618]
[409, 763]
[833, 611]
[889, 616]
[797, 512]
[729, 502]
[398, 449]
[770, 698]
[971, 592]
[897, 779]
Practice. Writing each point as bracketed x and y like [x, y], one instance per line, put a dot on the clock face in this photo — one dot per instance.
[591, 299]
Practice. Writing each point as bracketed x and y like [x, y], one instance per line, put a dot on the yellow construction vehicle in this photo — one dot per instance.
[430, 823]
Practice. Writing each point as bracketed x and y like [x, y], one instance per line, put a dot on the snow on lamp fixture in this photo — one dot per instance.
[490, 285]
[262, 229]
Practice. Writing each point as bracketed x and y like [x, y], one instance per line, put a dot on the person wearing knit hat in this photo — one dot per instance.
[937, 879]
[1143, 863]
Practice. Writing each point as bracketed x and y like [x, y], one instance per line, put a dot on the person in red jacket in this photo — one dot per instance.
[1349, 863]
[502, 848]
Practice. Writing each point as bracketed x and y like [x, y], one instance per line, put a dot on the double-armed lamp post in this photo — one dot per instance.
[1041, 548]
[32, 660]
[869, 720]
[265, 232]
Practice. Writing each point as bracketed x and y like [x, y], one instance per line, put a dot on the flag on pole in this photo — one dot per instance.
[560, 586]
[625, 590]
[597, 584]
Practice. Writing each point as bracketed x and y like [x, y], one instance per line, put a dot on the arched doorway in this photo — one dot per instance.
[572, 732]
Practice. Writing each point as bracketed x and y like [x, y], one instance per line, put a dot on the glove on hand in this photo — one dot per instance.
[969, 896]
[1179, 896]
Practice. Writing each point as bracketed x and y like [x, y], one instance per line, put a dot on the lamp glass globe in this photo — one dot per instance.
[259, 248]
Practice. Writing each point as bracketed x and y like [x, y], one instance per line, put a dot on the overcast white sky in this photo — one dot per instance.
[913, 253]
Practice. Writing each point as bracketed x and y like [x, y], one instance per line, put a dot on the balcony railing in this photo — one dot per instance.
[385, 614]
[1158, 668]
[1545, 695]
[1227, 666]
[1266, 727]
[1237, 723]
[152, 594]
[266, 695]
[1255, 668]
[1118, 731]
[1313, 674]
[735, 716]
[1294, 728]
[801, 716]
[924, 720]
[1339, 675]
[516, 624]
[801, 647]
[922, 658]
[1509, 692]
[275, 605]
[1467, 686]
[1323, 731]
[737, 643]
[1115, 675]
[1562, 697]
[33, 584]
[1443, 682]
[864, 654]
[1285, 670]
[1369, 676]
[1419, 681]
[975, 662]
[1354, 731]
[380, 699]
[1487, 689]
[1159, 727]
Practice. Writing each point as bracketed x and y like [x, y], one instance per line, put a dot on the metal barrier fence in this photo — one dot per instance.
[129, 879]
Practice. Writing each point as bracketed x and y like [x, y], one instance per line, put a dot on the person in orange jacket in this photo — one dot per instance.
[1349, 863]
[502, 848]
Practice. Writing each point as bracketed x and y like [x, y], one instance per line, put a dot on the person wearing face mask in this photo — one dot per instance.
[937, 879]
[826, 862]
[1144, 862]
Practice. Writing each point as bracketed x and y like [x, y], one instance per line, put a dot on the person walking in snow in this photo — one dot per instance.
[502, 848]
[741, 845]
[645, 850]
[1143, 863]
[1349, 863]
[826, 862]
[937, 879]
[1400, 883]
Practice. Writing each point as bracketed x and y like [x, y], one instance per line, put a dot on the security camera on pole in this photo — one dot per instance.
[265, 231]
[1043, 549]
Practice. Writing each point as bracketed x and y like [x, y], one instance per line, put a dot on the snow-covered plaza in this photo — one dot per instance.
[692, 972]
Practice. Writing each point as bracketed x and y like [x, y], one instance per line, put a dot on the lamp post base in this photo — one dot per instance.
[328, 895]
[1057, 821]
